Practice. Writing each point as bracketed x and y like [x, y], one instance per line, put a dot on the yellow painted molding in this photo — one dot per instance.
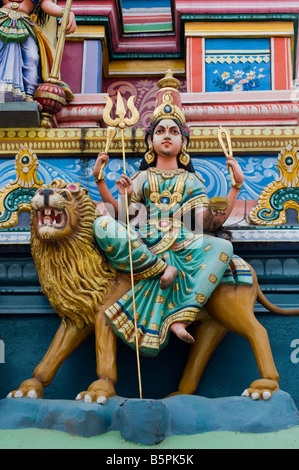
[145, 67]
[239, 29]
[87, 32]
[87, 142]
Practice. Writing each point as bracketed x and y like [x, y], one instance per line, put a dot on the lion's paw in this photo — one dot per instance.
[261, 389]
[90, 397]
[30, 388]
[98, 392]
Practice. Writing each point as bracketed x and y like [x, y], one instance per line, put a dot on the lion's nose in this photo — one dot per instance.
[46, 193]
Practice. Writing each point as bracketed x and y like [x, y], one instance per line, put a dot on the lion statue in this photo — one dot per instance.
[80, 285]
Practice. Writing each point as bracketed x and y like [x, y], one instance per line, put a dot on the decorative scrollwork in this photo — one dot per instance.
[16, 196]
[279, 195]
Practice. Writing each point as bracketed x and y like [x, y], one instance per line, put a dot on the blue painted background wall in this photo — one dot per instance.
[258, 171]
[231, 369]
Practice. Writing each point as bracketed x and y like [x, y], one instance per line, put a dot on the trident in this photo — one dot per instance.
[228, 153]
[122, 121]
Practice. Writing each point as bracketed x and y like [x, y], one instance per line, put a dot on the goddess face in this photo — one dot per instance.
[167, 138]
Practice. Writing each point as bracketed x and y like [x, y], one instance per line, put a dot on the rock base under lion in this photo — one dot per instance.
[149, 422]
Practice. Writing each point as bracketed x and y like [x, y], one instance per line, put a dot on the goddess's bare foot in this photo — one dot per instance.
[168, 277]
[179, 329]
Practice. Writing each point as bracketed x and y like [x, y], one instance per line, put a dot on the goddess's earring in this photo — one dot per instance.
[184, 157]
[150, 155]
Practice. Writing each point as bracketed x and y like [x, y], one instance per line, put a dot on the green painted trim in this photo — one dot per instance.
[148, 28]
[14, 229]
[49, 439]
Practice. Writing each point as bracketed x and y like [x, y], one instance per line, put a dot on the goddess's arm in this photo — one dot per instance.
[103, 189]
[116, 208]
[50, 8]
[212, 220]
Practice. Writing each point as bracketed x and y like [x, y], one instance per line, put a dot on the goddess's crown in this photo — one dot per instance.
[168, 100]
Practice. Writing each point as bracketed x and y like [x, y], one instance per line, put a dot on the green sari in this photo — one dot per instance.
[165, 238]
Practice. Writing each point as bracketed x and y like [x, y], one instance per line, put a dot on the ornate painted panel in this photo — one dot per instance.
[259, 172]
[240, 56]
[237, 64]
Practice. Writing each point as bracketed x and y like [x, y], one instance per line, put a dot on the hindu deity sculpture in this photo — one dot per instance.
[180, 271]
[25, 53]
[177, 261]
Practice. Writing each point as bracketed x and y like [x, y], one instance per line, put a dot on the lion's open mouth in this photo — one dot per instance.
[51, 217]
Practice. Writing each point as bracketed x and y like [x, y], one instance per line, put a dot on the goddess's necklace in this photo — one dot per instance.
[16, 4]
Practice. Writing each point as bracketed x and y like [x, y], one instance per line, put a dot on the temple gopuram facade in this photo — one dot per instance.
[238, 65]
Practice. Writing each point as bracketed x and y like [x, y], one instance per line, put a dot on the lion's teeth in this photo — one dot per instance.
[57, 212]
[47, 211]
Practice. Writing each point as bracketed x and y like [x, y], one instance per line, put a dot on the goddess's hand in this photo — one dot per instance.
[123, 183]
[72, 25]
[102, 158]
[236, 169]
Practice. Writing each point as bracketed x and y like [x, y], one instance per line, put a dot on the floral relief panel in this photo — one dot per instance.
[237, 64]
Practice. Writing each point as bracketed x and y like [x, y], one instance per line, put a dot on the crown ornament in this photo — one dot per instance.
[168, 100]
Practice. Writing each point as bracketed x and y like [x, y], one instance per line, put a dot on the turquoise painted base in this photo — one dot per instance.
[149, 422]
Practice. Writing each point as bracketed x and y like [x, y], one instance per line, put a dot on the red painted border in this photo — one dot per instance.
[281, 63]
[195, 69]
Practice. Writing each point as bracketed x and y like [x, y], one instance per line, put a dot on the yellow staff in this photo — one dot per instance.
[55, 71]
[121, 121]
[228, 153]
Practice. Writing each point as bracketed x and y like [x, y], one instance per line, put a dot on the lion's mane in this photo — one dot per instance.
[73, 273]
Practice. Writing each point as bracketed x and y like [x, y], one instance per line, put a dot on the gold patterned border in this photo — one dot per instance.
[244, 139]
[67, 141]
[90, 141]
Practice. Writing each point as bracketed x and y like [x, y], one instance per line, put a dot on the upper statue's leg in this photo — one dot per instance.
[30, 56]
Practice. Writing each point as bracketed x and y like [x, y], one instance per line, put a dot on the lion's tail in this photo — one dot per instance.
[262, 299]
[273, 308]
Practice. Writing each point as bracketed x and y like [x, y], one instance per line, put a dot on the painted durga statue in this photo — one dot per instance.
[181, 273]
[177, 268]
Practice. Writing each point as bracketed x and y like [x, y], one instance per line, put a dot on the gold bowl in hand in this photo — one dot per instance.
[218, 203]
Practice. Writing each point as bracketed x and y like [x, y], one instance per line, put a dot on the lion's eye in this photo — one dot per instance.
[64, 194]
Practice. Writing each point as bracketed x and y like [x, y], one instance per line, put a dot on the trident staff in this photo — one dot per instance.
[122, 122]
[227, 152]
